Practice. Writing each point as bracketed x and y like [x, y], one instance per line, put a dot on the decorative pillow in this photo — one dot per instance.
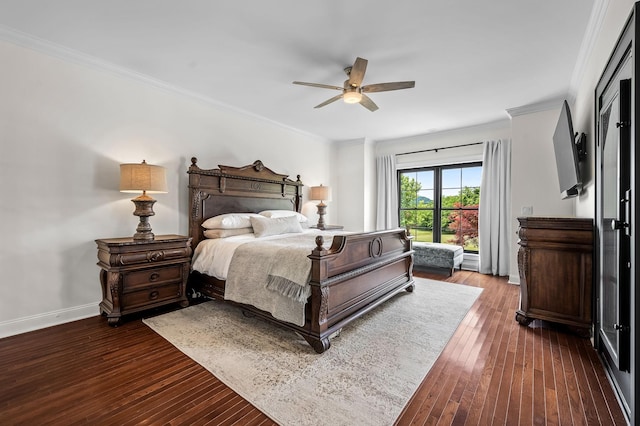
[229, 221]
[284, 213]
[265, 226]
[223, 233]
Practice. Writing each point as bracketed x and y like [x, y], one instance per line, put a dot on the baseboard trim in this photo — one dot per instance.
[49, 319]
[514, 279]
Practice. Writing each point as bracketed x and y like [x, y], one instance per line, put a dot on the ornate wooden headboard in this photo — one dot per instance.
[248, 189]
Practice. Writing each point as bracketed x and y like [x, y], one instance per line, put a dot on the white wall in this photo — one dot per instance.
[370, 186]
[534, 178]
[351, 177]
[617, 13]
[65, 129]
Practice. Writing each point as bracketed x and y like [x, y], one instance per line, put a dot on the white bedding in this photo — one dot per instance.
[253, 286]
[213, 256]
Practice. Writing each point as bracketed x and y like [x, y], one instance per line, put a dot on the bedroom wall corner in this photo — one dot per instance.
[351, 182]
[370, 186]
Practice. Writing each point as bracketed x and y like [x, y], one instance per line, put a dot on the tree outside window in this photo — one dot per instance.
[440, 204]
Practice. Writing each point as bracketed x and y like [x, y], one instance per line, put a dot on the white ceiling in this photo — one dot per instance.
[471, 59]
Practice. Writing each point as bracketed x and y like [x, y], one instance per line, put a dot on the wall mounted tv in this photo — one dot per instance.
[569, 148]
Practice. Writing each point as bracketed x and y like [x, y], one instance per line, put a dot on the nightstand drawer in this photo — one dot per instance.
[151, 295]
[152, 277]
[139, 257]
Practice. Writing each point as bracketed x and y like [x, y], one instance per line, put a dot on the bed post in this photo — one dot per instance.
[319, 340]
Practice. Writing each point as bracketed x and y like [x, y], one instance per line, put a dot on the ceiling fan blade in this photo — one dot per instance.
[328, 101]
[322, 86]
[357, 72]
[368, 103]
[385, 87]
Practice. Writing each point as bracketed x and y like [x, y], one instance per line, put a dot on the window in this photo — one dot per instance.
[440, 204]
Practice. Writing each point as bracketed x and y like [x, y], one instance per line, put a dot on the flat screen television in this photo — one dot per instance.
[568, 153]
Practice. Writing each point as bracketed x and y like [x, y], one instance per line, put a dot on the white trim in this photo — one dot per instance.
[538, 106]
[418, 164]
[594, 26]
[48, 319]
[514, 279]
[46, 47]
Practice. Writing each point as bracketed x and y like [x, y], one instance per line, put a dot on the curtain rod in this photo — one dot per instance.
[438, 149]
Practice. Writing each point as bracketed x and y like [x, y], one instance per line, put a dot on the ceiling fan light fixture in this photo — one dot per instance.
[352, 90]
[352, 97]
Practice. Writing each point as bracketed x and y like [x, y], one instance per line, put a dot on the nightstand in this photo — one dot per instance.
[140, 275]
[329, 227]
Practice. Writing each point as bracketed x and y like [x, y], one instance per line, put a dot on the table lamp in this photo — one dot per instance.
[145, 178]
[322, 194]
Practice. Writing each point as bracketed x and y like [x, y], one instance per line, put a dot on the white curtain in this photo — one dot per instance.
[493, 215]
[387, 201]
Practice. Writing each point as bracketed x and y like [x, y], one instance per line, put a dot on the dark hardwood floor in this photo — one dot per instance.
[493, 371]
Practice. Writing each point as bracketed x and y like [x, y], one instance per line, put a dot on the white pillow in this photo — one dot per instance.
[265, 226]
[229, 221]
[223, 233]
[284, 213]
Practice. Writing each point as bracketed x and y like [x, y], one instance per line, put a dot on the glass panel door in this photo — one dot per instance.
[613, 321]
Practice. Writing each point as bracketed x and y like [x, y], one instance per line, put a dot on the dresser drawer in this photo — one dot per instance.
[151, 295]
[152, 277]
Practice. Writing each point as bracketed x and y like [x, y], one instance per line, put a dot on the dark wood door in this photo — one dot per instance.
[614, 203]
[615, 328]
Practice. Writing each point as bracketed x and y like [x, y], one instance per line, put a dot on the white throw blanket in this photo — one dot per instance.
[273, 276]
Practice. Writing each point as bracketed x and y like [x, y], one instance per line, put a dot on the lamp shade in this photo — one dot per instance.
[320, 193]
[139, 177]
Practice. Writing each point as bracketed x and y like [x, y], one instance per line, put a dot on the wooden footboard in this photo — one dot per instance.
[356, 274]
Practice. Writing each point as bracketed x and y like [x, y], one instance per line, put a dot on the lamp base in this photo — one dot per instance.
[144, 209]
[322, 209]
[143, 231]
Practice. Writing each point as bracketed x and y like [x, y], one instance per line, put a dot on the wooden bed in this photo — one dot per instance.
[354, 275]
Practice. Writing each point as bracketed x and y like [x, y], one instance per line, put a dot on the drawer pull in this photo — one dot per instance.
[155, 256]
[153, 295]
[154, 276]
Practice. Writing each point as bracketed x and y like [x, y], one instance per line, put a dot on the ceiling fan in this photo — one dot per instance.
[353, 91]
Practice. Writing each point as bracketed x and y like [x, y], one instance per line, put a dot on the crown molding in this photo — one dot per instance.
[66, 54]
[594, 26]
[539, 106]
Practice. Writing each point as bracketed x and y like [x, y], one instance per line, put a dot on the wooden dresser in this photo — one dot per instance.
[139, 275]
[555, 264]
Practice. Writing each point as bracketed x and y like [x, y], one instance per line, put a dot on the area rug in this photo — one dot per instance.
[367, 376]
